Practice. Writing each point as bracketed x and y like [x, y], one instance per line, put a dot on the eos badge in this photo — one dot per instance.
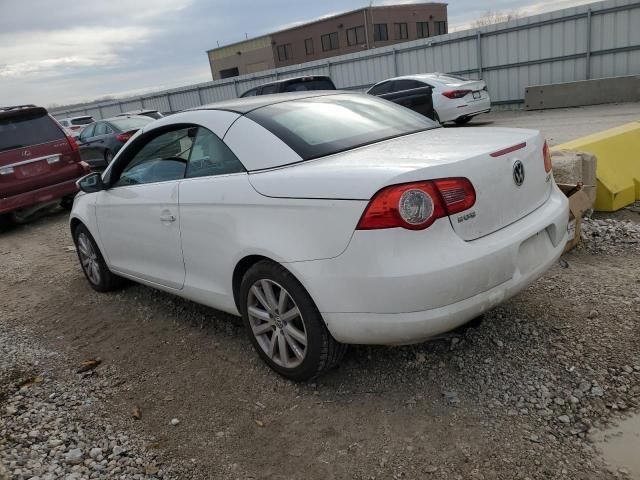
[468, 216]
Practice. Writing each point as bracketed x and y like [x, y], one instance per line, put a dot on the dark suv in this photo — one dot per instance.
[39, 163]
[297, 84]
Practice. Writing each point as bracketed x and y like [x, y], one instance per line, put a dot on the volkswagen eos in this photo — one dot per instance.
[323, 219]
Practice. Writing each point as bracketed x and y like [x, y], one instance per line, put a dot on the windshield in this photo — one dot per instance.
[130, 123]
[319, 126]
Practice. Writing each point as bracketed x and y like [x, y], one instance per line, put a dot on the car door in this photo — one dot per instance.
[84, 144]
[99, 141]
[215, 185]
[138, 217]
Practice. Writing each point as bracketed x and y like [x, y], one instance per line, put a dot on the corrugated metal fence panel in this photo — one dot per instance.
[184, 100]
[540, 49]
[110, 111]
[160, 103]
[216, 94]
[133, 105]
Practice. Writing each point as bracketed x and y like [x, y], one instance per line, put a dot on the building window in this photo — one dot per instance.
[308, 46]
[423, 29]
[441, 27]
[330, 41]
[355, 35]
[401, 31]
[284, 52]
[380, 33]
[229, 72]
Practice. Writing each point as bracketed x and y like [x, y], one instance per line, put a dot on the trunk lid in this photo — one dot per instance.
[440, 153]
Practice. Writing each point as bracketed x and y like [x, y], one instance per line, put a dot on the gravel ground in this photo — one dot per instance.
[517, 397]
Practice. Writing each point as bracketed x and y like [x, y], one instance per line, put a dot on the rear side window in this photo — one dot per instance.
[319, 126]
[250, 93]
[211, 156]
[380, 89]
[266, 90]
[400, 85]
[101, 129]
[87, 132]
[26, 130]
[320, 84]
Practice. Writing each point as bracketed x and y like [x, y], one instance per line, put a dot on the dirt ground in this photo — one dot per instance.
[518, 397]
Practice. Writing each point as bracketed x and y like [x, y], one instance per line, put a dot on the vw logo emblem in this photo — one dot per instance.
[518, 173]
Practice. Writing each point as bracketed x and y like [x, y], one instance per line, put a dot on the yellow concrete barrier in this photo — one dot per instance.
[618, 165]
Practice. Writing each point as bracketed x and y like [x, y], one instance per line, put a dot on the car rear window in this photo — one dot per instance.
[82, 121]
[130, 123]
[301, 86]
[319, 126]
[28, 129]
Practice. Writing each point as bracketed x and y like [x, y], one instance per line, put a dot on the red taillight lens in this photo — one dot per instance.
[124, 137]
[546, 153]
[415, 206]
[72, 143]
[456, 93]
[458, 194]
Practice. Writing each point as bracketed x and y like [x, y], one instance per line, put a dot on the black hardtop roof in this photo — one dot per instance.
[247, 104]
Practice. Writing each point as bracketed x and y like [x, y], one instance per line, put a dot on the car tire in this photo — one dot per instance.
[92, 262]
[108, 156]
[463, 120]
[266, 315]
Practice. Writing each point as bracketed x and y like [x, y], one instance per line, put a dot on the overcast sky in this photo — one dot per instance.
[54, 52]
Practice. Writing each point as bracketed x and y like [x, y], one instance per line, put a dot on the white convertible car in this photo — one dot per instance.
[324, 219]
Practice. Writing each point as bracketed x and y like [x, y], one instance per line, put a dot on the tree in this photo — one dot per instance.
[491, 18]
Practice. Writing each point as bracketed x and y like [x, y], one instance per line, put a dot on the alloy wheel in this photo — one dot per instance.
[89, 259]
[277, 323]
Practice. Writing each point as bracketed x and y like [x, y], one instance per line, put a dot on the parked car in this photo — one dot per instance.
[39, 163]
[155, 114]
[324, 219]
[455, 99]
[297, 84]
[412, 96]
[74, 125]
[100, 141]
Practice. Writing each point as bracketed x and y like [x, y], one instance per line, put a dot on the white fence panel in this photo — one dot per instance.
[589, 41]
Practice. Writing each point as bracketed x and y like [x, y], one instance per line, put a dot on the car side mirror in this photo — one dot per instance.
[91, 183]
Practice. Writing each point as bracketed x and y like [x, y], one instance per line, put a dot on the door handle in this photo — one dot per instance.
[167, 217]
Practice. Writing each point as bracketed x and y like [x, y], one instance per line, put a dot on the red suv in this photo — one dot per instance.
[39, 163]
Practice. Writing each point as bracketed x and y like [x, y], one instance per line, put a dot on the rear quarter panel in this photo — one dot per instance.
[223, 219]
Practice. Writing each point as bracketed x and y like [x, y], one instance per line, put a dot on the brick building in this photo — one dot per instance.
[349, 32]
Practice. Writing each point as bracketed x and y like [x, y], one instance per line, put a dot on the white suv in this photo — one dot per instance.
[73, 125]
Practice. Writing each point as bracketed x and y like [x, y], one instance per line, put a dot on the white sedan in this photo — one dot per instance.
[324, 219]
[455, 99]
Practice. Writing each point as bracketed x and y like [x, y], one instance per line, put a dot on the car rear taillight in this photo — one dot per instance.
[456, 93]
[124, 137]
[73, 143]
[416, 205]
[547, 157]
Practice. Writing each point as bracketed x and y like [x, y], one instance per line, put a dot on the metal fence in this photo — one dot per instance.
[597, 40]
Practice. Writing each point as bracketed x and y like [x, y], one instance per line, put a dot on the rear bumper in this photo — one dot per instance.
[42, 195]
[460, 108]
[382, 290]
